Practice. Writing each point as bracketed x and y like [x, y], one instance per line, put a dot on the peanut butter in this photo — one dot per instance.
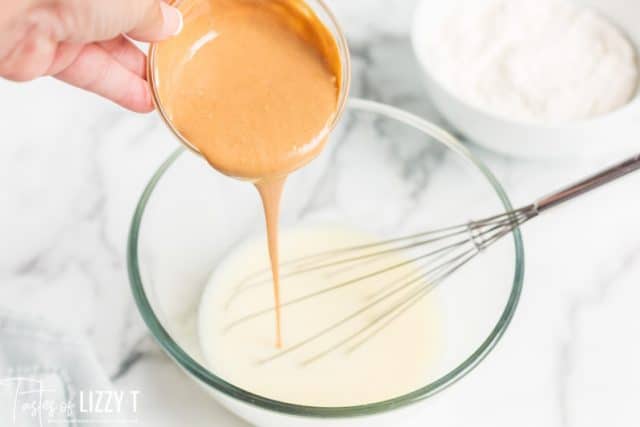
[253, 85]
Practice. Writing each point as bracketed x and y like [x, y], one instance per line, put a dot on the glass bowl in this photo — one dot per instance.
[322, 12]
[189, 218]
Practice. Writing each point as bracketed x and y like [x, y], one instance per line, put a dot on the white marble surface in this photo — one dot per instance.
[72, 167]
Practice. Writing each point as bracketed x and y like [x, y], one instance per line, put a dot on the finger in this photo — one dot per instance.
[158, 23]
[100, 20]
[128, 54]
[120, 48]
[65, 55]
[30, 58]
[98, 72]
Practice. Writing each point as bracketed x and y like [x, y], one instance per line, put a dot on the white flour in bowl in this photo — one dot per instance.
[533, 60]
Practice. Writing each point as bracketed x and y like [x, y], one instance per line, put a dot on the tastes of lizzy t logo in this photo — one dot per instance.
[39, 402]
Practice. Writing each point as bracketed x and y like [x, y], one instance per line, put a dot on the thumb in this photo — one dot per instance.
[159, 21]
[143, 20]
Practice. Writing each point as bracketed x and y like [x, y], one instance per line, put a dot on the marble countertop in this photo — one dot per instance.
[73, 166]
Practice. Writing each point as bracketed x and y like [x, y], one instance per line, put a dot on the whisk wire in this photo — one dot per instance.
[447, 250]
[479, 233]
[309, 262]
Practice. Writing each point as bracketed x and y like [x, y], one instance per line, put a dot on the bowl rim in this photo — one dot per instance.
[202, 374]
[630, 107]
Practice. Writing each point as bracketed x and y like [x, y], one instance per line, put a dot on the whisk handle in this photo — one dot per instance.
[612, 173]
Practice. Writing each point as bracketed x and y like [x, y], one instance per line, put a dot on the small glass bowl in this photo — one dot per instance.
[385, 170]
[322, 12]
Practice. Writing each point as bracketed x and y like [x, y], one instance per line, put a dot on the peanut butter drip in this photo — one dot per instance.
[253, 85]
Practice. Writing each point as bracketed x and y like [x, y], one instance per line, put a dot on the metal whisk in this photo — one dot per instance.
[434, 256]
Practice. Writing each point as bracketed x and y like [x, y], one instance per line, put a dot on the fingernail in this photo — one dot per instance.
[173, 21]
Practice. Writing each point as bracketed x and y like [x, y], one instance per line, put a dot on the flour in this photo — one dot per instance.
[533, 60]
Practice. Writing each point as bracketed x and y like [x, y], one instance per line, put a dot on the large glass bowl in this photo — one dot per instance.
[383, 169]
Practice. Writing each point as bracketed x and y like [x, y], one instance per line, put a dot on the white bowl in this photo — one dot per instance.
[618, 131]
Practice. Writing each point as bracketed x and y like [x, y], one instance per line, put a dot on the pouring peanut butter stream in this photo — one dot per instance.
[254, 86]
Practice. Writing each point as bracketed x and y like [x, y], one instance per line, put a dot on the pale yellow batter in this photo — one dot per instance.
[393, 362]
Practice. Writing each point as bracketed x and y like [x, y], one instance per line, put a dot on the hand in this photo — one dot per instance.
[81, 42]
